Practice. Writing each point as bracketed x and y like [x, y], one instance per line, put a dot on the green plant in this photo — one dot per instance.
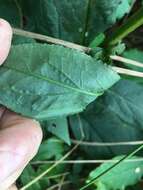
[62, 65]
[126, 173]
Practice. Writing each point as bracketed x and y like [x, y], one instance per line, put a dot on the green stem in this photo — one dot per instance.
[86, 22]
[132, 24]
[20, 13]
[50, 168]
[113, 166]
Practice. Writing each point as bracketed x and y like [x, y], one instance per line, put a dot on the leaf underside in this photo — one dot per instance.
[45, 81]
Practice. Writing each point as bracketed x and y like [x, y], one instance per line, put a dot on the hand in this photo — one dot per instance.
[19, 137]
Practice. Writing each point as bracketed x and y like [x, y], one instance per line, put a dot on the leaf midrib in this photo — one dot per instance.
[53, 81]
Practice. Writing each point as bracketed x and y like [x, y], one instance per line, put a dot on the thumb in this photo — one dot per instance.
[19, 142]
[5, 39]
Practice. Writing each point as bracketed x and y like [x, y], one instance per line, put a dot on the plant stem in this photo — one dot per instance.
[127, 72]
[20, 13]
[50, 168]
[113, 166]
[132, 24]
[126, 61]
[86, 22]
[105, 144]
[49, 39]
[84, 162]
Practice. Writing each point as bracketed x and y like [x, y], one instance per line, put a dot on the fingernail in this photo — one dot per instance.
[9, 163]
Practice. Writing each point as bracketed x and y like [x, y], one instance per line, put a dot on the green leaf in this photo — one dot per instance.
[77, 21]
[50, 148]
[123, 8]
[123, 175]
[115, 117]
[21, 40]
[118, 49]
[97, 41]
[46, 81]
[59, 127]
[10, 10]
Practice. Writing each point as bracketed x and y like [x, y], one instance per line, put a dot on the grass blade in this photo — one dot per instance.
[113, 166]
[49, 169]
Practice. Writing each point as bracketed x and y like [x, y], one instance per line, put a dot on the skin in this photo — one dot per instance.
[20, 137]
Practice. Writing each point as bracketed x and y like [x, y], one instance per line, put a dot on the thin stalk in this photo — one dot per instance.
[127, 72]
[49, 39]
[64, 184]
[105, 144]
[84, 162]
[113, 166]
[126, 61]
[49, 169]
[57, 185]
[84, 33]
[132, 24]
[20, 13]
[61, 183]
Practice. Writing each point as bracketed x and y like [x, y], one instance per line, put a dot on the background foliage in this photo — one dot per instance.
[71, 93]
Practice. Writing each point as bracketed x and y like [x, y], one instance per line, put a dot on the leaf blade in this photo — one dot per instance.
[48, 78]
